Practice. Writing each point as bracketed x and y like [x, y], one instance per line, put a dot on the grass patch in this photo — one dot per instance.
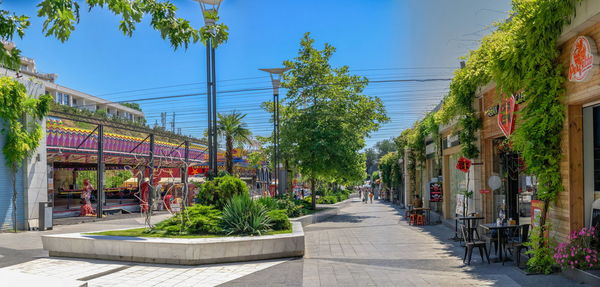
[139, 232]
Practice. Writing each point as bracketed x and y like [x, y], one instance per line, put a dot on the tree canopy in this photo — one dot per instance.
[326, 117]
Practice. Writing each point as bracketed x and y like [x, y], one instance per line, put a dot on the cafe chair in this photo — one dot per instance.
[470, 244]
[420, 219]
[517, 244]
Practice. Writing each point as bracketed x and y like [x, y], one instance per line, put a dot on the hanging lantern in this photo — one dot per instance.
[463, 164]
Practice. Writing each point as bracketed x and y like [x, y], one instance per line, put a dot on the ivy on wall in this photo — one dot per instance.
[22, 136]
[521, 55]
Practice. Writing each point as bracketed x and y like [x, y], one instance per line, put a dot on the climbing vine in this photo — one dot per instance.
[520, 55]
[21, 136]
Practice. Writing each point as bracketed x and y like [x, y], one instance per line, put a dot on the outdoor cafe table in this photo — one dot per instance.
[428, 210]
[471, 224]
[500, 233]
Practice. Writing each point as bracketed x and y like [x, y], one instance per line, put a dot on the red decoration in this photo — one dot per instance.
[506, 116]
[463, 164]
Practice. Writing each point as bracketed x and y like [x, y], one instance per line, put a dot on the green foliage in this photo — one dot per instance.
[196, 219]
[236, 132]
[327, 104]
[117, 178]
[244, 216]
[22, 136]
[541, 251]
[218, 191]
[293, 207]
[269, 202]
[62, 15]
[327, 199]
[279, 219]
[11, 25]
[134, 106]
[391, 171]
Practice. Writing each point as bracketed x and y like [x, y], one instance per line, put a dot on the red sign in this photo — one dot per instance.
[583, 59]
[506, 116]
[485, 191]
[193, 170]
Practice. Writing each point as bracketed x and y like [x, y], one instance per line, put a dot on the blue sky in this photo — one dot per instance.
[381, 39]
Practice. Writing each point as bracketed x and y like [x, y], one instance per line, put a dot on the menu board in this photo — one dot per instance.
[435, 192]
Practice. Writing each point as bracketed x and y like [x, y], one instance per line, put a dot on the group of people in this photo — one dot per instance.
[366, 194]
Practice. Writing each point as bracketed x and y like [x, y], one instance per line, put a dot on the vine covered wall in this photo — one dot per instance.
[521, 55]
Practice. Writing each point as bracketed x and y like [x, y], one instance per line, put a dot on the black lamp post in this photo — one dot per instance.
[211, 6]
[276, 74]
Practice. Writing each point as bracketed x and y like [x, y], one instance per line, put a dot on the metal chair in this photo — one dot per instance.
[470, 244]
[518, 243]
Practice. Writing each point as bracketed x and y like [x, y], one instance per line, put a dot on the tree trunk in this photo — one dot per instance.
[543, 221]
[229, 155]
[14, 200]
[313, 193]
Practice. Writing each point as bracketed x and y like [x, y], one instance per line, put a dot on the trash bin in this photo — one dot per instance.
[45, 216]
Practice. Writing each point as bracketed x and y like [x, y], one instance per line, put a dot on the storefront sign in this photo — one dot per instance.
[435, 191]
[430, 149]
[506, 116]
[584, 59]
[485, 191]
[537, 206]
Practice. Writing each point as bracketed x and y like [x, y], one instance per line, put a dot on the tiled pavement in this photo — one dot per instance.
[366, 245]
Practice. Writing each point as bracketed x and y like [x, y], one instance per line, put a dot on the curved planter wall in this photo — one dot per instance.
[177, 250]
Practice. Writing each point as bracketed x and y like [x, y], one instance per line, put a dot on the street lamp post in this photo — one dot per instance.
[276, 74]
[211, 6]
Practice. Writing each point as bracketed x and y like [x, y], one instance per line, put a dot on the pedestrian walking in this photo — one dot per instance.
[371, 196]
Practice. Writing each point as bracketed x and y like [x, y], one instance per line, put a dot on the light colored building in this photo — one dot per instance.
[71, 97]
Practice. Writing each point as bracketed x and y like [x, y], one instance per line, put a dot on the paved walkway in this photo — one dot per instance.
[366, 245]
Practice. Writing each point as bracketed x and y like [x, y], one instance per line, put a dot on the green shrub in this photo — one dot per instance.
[196, 219]
[269, 202]
[218, 191]
[328, 199]
[279, 219]
[244, 216]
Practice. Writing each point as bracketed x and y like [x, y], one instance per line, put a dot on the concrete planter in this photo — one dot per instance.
[590, 277]
[177, 250]
[327, 211]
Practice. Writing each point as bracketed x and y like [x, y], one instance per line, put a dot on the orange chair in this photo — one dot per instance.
[420, 219]
[412, 219]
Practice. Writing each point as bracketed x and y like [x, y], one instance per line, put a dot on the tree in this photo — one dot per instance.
[384, 147]
[326, 117]
[371, 157]
[235, 131]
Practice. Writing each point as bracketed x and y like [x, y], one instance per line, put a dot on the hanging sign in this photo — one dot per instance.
[435, 191]
[584, 59]
[506, 116]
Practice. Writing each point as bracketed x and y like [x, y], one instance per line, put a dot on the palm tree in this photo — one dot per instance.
[235, 131]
